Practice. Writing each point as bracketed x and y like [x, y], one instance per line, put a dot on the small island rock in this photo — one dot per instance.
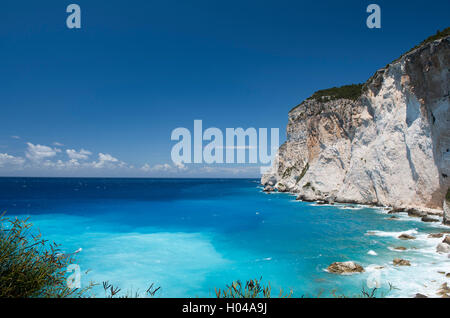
[345, 268]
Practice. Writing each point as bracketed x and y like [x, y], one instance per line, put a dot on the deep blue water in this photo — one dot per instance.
[191, 235]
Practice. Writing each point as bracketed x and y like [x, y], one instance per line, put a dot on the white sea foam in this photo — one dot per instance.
[372, 252]
[391, 234]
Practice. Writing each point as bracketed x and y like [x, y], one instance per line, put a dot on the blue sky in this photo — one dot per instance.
[109, 95]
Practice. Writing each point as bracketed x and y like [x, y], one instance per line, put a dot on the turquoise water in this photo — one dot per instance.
[191, 235]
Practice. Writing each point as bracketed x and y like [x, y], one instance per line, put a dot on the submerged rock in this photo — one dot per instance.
[401, 262]
[345, 268]
[436, 235]
[400, 248]
[406, 237]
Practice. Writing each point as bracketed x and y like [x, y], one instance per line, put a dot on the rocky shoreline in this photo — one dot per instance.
[384, 143]
[425, 215]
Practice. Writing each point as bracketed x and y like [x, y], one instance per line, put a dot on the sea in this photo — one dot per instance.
[193, 236]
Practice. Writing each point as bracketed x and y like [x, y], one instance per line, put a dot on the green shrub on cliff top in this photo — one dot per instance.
[354, 91]
[351, 92]
[439, 35]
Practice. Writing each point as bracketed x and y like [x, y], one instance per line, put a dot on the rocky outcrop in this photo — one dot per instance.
[390, 146]
[446, 240]
[443, 248]
[268, 189]
[444, 291]
[345, 268]
[401, 262]
[429, 219]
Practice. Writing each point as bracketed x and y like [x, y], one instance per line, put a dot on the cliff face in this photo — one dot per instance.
[390, 146]
[447, 208]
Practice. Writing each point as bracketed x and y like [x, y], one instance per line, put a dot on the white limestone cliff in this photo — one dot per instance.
[390, 146]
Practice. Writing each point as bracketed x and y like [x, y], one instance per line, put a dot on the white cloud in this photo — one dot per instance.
[146, 168]
[107, 157]
[230, 170]
[59, 164]
[162, 167]
[15, 137]
[58, 144]
[107, 161]
[181, 166]
[78, 155]
[8, 160]
[39, 152]
[165, 167]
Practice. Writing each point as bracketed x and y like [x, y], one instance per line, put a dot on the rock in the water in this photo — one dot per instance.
[396, 210]
[447, 275]
[268, 188]
[420, 296]
[443, 248]
[446, 239]
[393, 218]
[401, 262]
[436, 235]
[406, 237]
[444, 291]
[429, 219]
[268, 180]
[345, 268]
[416, 213]
[400, 248]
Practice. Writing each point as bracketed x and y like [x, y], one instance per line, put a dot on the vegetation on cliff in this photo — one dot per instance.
[29, 266]
[351, 92]
[354, 91]
[439, 35]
